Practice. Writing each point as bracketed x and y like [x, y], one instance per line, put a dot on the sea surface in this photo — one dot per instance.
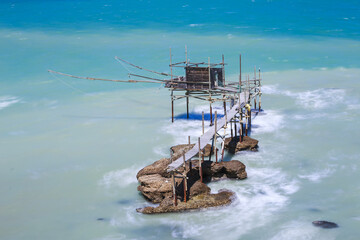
[70, 148]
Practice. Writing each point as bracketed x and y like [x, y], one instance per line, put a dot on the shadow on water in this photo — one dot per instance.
[197, 116]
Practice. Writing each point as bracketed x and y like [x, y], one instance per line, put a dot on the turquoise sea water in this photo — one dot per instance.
[70, 149]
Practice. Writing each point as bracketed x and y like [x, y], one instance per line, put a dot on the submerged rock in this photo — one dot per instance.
[233, 145]
[325, 224]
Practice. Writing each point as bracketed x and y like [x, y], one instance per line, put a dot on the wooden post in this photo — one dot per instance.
[172, 97]
[231, 129]
[246, 121]
[209, 74]
[241, 136]
[222, 151]
[235, 130]
[187, 104]
[249, 118]
[240, 75]
[184, 162]
[215, 136]
[185, 189]
[203, 127]
[172, 106]
[174, 188]
[211, 119]
[259, 92]
[185, 182]
[223, 71]
[224, 103]
[255, 102]
[200, 167]
[189, 140]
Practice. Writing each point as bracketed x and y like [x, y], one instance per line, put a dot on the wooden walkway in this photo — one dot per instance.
[207, 136]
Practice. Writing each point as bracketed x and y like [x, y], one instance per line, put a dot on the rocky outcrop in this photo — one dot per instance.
[180, 149]
[232, 169]
[158, 167]
[155, 185]
[233, 145]
[200, 201]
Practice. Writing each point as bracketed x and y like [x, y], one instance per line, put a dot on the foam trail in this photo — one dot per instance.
[317, 176]
[6, 101]
[264, 193]
[120, 178]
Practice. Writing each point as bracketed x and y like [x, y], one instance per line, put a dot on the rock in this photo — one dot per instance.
[248, 143]
[158, 167]
[155, 187]
[199, 188]
[198, 202]
[235, 169]
[325, 224]
[180, 149]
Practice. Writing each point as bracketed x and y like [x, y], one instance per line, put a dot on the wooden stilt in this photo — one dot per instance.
[203, 123]
[174, 189]
[189, 140]
[215, 137]
[172, 107]
[185, 188]
[185, 182]
[222, 150]
[211, 117]
[187, 104]
[231, 129]
[200, 167]
[235, 129]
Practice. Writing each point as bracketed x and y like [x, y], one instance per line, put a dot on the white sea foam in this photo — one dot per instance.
[269, 122]
[195, 25]
[257, 199]
[320, 98]
[6, 101]
[120, 178]
[302, 230]
[317, 176]
[312, 99]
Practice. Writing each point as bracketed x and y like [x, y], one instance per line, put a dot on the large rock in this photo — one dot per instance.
[234, 145]
[155, 187]
[158, 167]
[232, 169]
[199, 188]
[198, 202]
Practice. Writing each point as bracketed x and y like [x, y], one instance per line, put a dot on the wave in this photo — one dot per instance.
[317, 176]
[6, 101]
[312, 99]
[265, 192]
[120, 178]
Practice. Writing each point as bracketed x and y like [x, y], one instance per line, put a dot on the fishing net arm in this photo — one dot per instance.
[161, 73]
[104, 79]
